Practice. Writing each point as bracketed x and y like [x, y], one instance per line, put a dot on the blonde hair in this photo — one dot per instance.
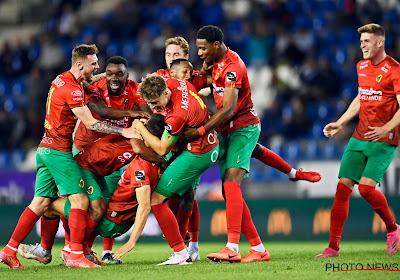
[372, 28]
[82, 51]
[152, 87]
[179, 41]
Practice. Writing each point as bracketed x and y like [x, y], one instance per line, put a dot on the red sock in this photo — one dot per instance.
[173, 204]
[182, 218]
[77, 226]
[66, 230]
[90, 236]
[378, 202]
[274, 160]
[169, 226]
[234, 211]
[26, 222]
[248, 228]
[48, 231]
[194, 222]
[108, 244]
[339, 213]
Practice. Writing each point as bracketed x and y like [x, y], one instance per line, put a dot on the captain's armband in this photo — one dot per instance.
[170, 137]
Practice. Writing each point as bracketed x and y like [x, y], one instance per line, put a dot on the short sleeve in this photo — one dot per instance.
[74, 97]
[175, 124]
[233, 76]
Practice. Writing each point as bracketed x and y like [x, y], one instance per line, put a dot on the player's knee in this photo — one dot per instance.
[258, 150]
[97, 209]
[40, 205]
[79, 201]
[366, 191]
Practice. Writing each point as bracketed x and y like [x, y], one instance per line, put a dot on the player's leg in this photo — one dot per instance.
[194, 227]
[258, 251]
[177, 178]
[272, 159]
[379, 157]
[112, 183]
[351, 169]
[185, 210]
[45, 189]
[234, 166]
[42, 252]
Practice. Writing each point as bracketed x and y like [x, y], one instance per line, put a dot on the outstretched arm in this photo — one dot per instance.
[333, 128]
[143, 197]
[84, 114]
[100, 107]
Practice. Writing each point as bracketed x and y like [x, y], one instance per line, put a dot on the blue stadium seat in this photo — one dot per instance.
[5, 88]
[113, 48]
[4, 160]
[18, 88]
[17, 157]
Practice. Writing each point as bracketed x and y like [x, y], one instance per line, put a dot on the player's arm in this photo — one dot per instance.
[375, 133]
[142, 151]
[228, 107]
[205, 91]
[100, 107]
[334, 127]
[94, 79]
[86, 117]
[143, 197]
[161, 146]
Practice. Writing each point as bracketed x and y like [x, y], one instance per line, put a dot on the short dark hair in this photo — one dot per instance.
[177, 61]
[117, 60]
[156, 125]
[211, 34]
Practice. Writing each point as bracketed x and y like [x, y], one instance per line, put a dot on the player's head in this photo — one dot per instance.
[84, 58]
[155, 92]
[209, 41]
[372, 40]
[181, 69]
[116, 74]
[176, 47]
[156, 125]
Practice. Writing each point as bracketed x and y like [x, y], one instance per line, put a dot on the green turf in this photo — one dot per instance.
[290, 260]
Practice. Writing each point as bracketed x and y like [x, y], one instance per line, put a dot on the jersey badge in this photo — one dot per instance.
[139, 175]
[378, 78]
[90, 190]
[81, 183]
[231, 76]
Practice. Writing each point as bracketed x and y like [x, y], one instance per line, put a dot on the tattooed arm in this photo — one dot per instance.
[84, 114]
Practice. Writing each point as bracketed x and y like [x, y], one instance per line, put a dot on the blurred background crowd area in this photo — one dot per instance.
[301, 58]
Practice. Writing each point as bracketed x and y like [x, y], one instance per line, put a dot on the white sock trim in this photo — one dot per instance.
[12, 248]
[292, 173]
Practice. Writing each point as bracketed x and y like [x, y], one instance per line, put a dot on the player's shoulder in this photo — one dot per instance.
[132, 85]
[392, 62]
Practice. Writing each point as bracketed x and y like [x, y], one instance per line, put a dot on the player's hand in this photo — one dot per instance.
[131, 132]
[127, 247]
[137, 124]
[375, 133]
[139, 115]
[207, 67]
[331, 129]
[190, 134]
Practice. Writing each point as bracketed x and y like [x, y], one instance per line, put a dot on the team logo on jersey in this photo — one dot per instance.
[81, 183]
[90, 190]
[125, 103]
[378, 78]
[139, 175]
[168, 128]
[231, 76]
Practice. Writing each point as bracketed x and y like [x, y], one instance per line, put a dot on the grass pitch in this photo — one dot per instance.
[289, 260]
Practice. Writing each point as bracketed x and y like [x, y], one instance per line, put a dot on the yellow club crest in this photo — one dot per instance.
[378, 78]
[90, 190]
[81, 183]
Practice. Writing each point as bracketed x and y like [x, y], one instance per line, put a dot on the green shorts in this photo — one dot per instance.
[184, 172]
[366, 159]
[109, 229]
[112, 181]
[236, 148]
[57, 172]
[96, 186]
